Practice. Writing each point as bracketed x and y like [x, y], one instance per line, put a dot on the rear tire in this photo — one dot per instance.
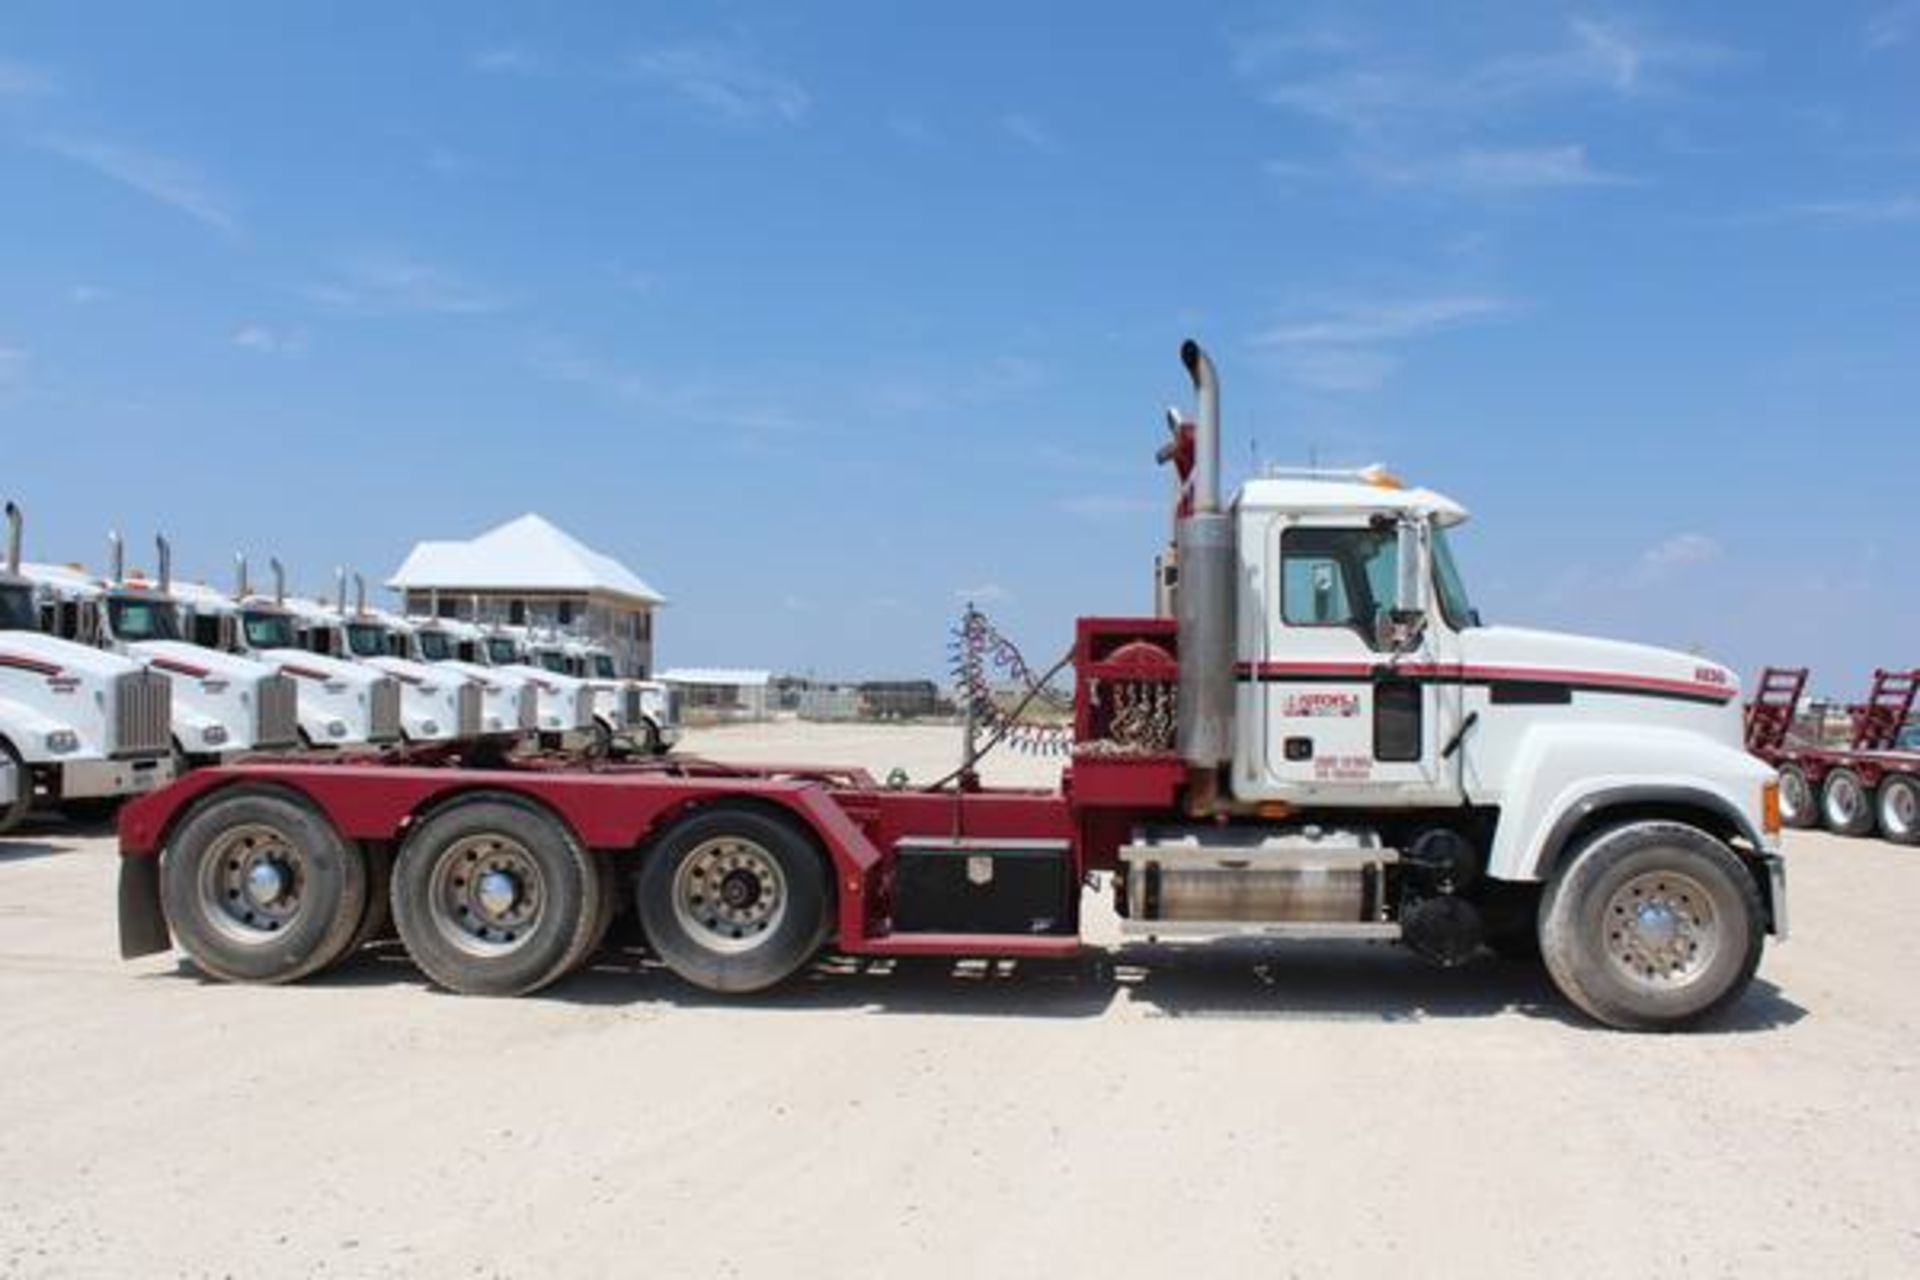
[494, 897]
[258, 887]
[1846, 805]
[734, 900]
[1899, 806]
[1652, 926]
[377, 917]
[1799, 807]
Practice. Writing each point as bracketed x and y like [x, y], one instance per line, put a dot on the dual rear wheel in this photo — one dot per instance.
[490, 894]
[1844, 804]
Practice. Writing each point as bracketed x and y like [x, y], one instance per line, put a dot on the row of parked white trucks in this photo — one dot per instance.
[112, 686]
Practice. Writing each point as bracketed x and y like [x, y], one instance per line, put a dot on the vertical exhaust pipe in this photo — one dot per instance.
[340, 588]
[241, 587]
[116, 557]
[163, 555]
[14, 521]
[433, 602]
[1206, 599]
[279, 580]
[359, 594]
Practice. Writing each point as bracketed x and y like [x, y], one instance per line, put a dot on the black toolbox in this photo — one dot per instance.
[984, 886]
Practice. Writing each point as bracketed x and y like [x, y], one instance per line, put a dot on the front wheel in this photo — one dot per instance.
[734, 900]
[1652, 926]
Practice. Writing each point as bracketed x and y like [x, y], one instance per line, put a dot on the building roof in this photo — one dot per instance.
[526, 554]
[715, 675]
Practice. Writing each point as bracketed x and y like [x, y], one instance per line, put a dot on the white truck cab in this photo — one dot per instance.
[509, 704]
[79, 729]
[565, 715]
[341, 703]
[644, 714]
[221, 705]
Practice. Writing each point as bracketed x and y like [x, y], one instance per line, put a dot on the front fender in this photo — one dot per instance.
[26, 727]
[1563, 774]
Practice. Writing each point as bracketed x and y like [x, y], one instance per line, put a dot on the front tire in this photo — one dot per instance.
[494, 897]
[1652, 926]
[258, 887]
[1798, 805]
[1899, 805]
[734, 900]
[1846, 805]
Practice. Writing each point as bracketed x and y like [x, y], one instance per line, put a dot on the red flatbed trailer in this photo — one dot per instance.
[1867, 786]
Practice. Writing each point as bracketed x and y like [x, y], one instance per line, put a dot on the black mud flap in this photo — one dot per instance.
[143, 924]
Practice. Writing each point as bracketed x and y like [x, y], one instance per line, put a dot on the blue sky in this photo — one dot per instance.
[826, 318]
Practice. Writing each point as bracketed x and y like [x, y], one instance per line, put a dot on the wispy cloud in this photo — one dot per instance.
[752, 412]
[1348, 348]
[392, 284]
[507, 60]
[1029, 132]
[985, 593]
[1672, 556]
[725, 80]
[1902, 208]
[1891, 26]
[169, 181]
[1485, 169]
[22, 79]
[267, 341]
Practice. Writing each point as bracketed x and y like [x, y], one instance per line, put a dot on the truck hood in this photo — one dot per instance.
[407, 671]
[31, 651]
[298, 662]
[1519, 653]
[176, 657]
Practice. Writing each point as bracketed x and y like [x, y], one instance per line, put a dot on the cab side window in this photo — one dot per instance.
[1336, 577]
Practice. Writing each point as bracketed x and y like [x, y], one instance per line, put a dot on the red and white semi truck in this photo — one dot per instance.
[1316, 737]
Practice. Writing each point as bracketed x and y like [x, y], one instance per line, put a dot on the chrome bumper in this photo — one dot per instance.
[90, 779]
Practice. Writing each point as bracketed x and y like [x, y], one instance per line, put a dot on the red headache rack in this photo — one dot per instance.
[1877, 721]
[1770, 714]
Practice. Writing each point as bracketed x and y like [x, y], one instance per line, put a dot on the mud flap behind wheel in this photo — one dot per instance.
[143, 925]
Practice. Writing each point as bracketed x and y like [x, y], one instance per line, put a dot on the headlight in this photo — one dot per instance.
[213, 735]
[61, 741]
[429, 728]
[336, 728]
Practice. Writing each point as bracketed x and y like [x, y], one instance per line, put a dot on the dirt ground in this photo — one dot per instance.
[1307, 1110]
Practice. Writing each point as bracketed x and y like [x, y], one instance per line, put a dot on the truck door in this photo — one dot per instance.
[1345, 713]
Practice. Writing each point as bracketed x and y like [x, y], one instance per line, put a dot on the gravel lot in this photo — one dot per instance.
[1317, 1110]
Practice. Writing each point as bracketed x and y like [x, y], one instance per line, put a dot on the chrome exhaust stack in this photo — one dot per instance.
[1205, 597]
[14, 521]
[116, 557]
[240, 584]
[359, 595]
[340, 589]
[163, 558]
[279, 581]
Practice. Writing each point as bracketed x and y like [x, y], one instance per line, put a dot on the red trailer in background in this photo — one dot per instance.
[1867, 785]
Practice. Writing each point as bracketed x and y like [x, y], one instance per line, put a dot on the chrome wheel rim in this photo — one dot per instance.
[1899, 809]
[730, 894]
[1796, 797]
[1845, 801]
[253, 883]
[1662, 930]
[488, 894]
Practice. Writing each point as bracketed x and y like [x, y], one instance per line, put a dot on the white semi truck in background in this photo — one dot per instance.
[509, 704]
[342, 703]
[565, 709]
[221, 705]
[644, 714]
[80, 729]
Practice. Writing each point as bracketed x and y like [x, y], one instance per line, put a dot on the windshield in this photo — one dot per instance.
[435, 646]
[16, 609]
[136, 620]
[1460, 614]
[500, 651]
[554, 662]
[603, 667]
[267, 630]
[367, 640]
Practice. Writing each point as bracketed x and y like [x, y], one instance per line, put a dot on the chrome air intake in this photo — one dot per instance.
[143, 714]
[383, 710]
[470, 722]
[1205, 603]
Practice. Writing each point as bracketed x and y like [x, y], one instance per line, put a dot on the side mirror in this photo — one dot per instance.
[1406, 622]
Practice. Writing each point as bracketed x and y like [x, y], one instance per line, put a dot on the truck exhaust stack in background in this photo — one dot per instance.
[14, 520]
